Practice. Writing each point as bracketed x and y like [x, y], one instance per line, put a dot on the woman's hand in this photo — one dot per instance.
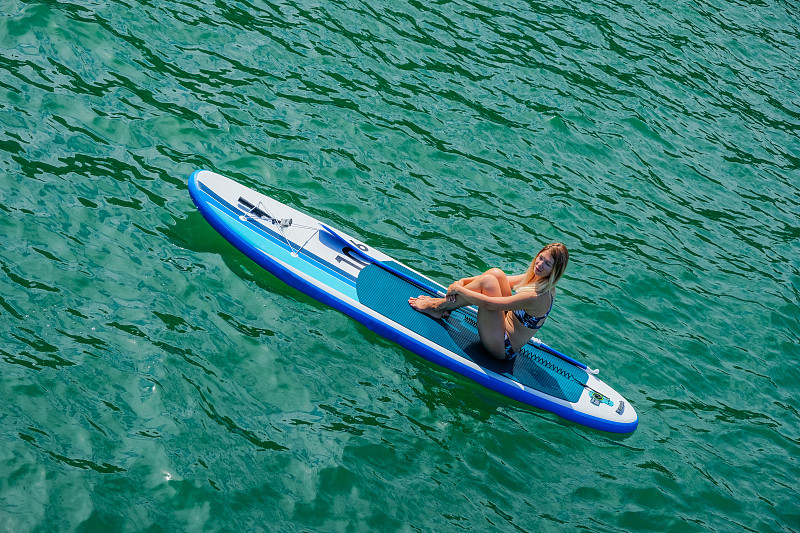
[455, 287]
[454, 290]
[461, 282]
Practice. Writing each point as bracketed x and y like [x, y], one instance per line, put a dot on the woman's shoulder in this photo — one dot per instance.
[536, 299]
[535, 291]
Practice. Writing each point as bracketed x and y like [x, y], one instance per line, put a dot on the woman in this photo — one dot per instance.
[506, 320]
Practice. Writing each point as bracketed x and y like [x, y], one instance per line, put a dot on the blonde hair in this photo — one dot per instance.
[548, 284]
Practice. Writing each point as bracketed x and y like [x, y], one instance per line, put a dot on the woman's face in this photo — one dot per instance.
[543, 264]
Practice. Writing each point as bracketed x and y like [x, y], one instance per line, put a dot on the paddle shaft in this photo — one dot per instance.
[364, 255]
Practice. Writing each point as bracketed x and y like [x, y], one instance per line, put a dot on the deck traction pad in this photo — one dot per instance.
[388, 294]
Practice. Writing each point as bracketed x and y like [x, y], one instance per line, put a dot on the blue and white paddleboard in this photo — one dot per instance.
[373, 288]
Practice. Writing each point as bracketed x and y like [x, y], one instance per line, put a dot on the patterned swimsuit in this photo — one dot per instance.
[530, 322]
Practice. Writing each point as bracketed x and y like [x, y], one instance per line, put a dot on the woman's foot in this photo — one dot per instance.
[429, 306]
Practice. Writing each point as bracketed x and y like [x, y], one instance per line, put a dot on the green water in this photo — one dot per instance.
[154, 379]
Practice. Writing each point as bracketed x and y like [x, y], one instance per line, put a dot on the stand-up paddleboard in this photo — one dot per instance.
[373, 288]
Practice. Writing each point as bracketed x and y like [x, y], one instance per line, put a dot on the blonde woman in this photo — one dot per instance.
[506, 319]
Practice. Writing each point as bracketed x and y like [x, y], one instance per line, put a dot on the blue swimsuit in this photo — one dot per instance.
[530, 322]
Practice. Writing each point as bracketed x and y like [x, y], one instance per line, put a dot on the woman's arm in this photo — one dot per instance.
[465, 281]
[524, 300]
[513, 280]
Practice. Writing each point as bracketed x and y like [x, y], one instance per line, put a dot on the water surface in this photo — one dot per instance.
[155, 379]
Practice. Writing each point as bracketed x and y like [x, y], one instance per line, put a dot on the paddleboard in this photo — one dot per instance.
[371, 287]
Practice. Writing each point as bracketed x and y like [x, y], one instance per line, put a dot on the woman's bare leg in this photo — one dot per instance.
[435, 307]
[502, 280]
[491, 324]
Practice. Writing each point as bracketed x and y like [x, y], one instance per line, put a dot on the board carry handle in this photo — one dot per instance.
[364, 255]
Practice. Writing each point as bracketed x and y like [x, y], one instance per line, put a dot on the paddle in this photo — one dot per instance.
[339, 238]
[568, 359]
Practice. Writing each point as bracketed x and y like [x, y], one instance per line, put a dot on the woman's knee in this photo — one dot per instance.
[497, 273]
[489, 284]
[496, 282]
